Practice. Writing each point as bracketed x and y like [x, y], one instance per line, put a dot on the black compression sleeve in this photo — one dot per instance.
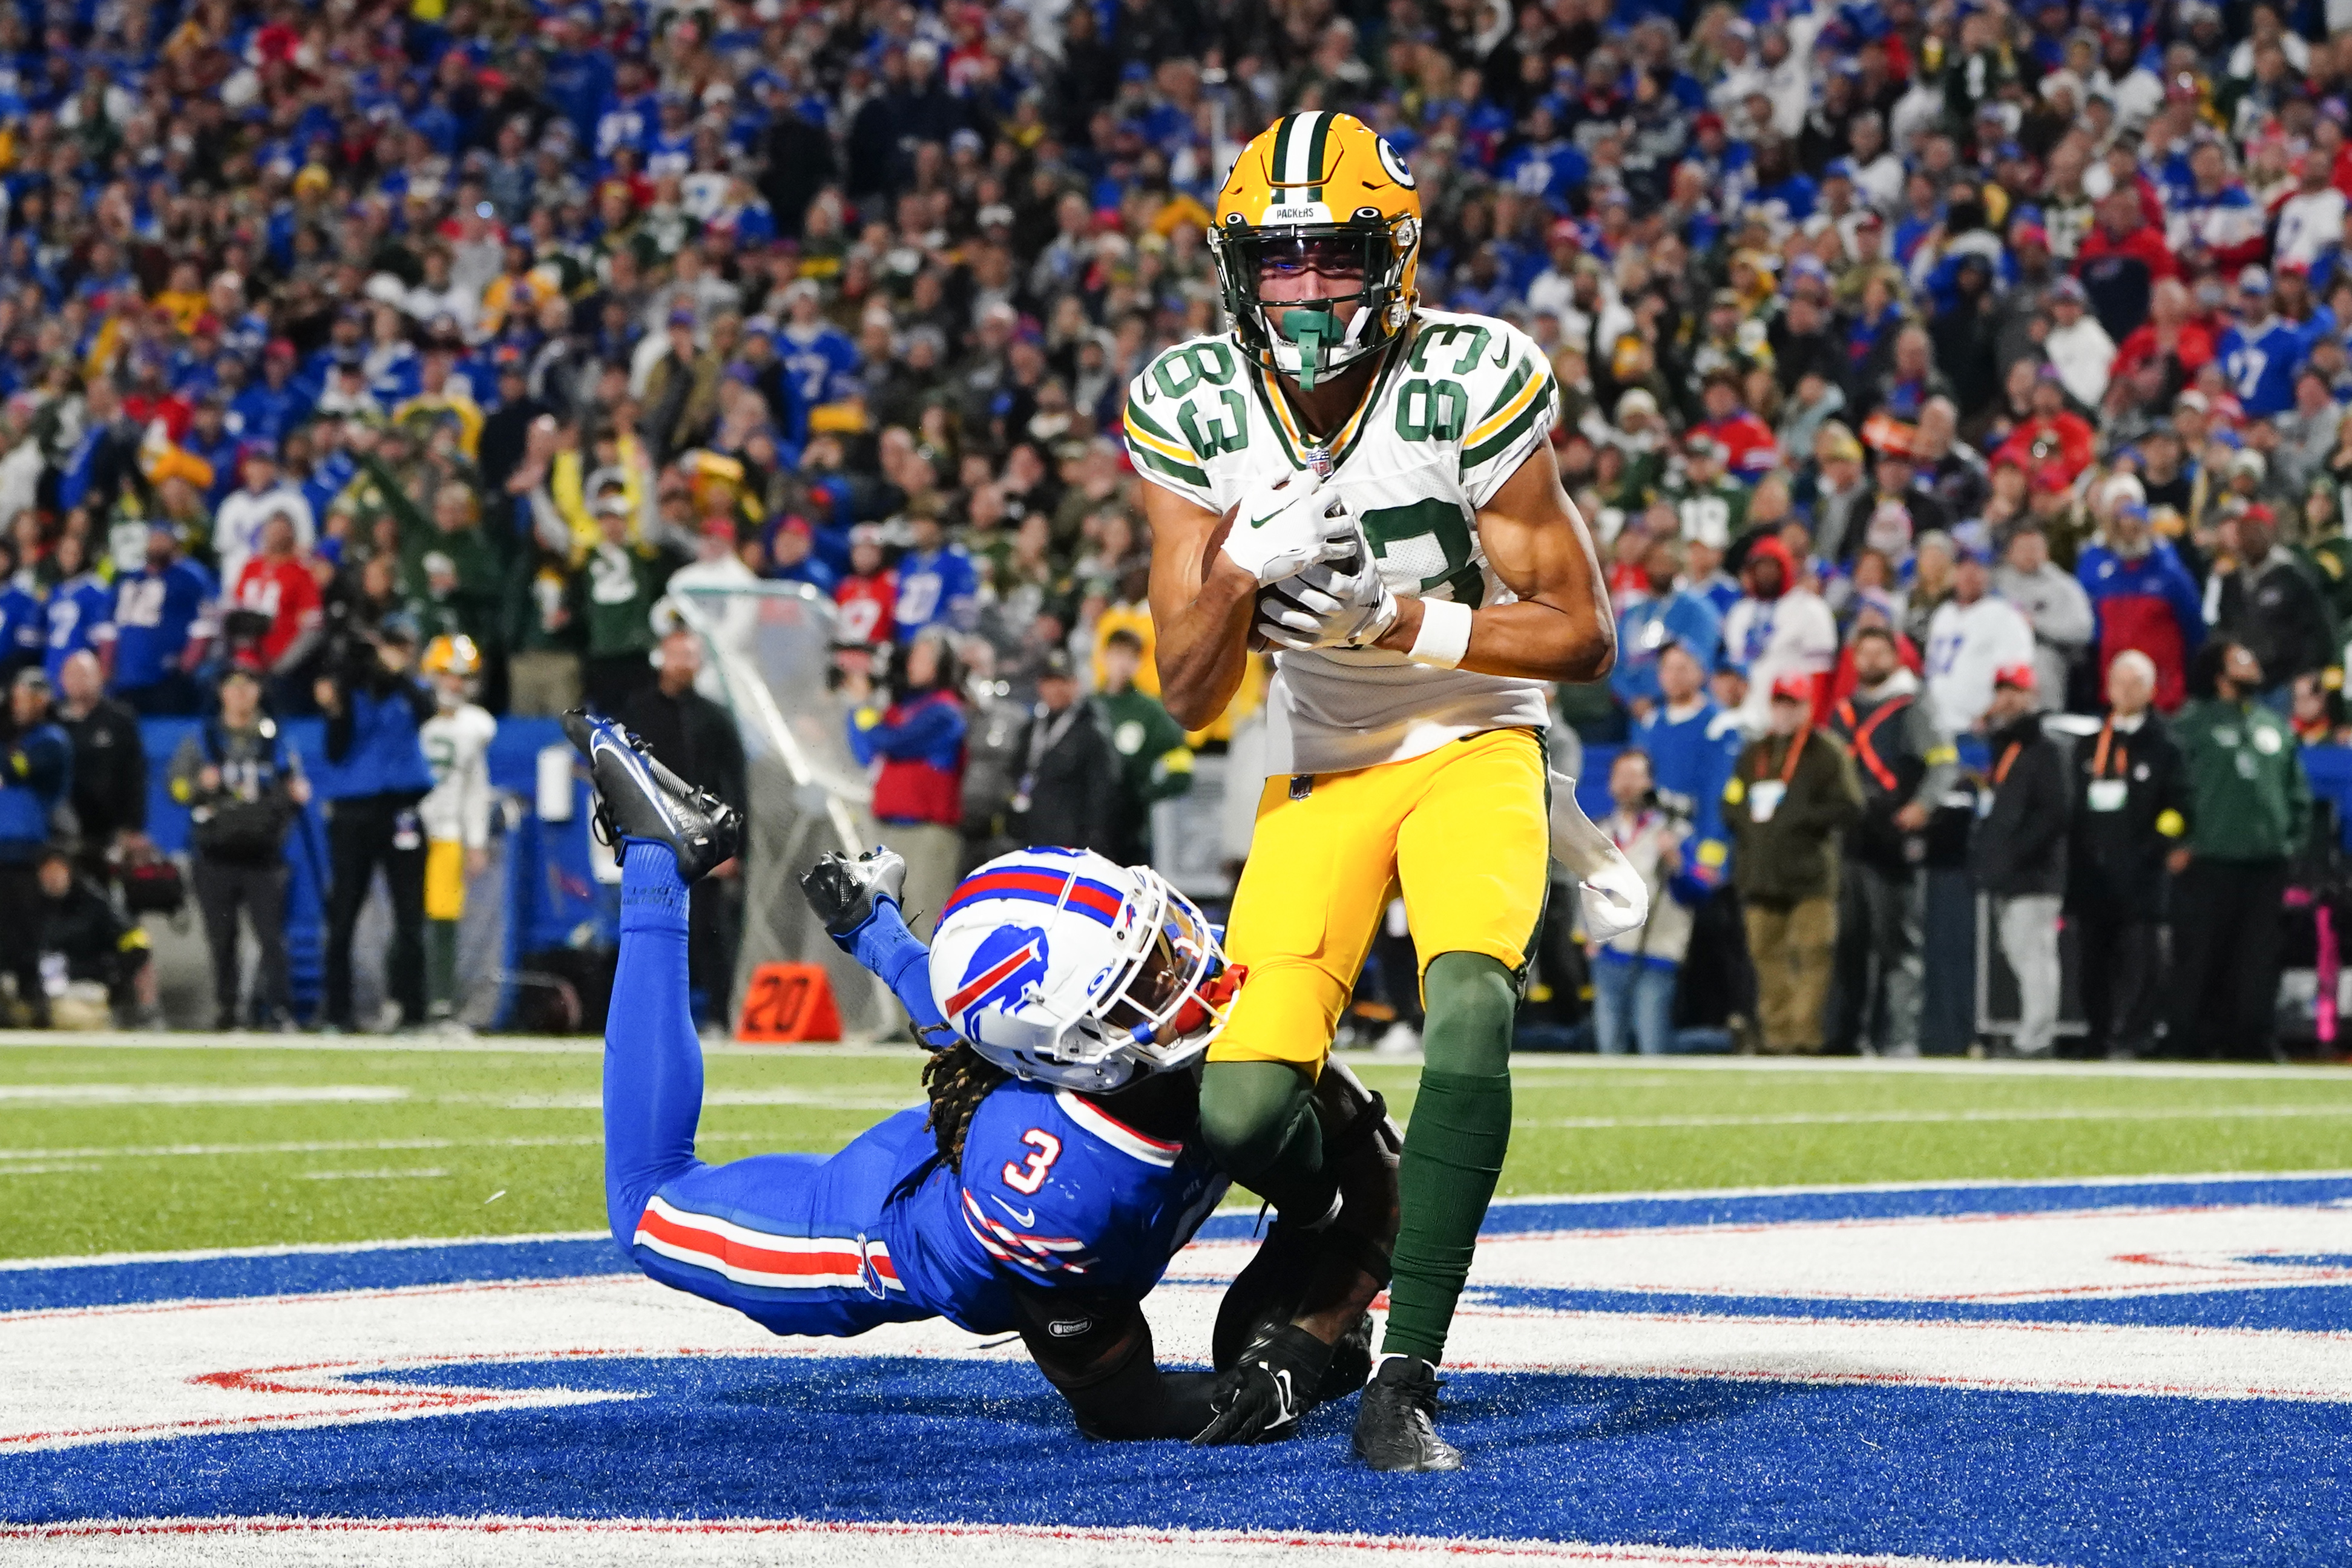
[1098, 1355]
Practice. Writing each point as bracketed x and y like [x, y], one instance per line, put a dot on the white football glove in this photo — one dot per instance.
[1282, 527]
[1330, 605]
[1616, 899]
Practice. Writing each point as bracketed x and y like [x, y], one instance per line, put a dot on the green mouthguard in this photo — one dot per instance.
[1312, 330]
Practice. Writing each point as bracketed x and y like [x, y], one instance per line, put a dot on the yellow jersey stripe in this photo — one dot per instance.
[1507, 413]
[1143, 437]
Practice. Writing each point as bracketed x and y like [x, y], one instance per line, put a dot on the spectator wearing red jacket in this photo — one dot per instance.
[2144, 600]
[1748, 450]
[276, 586]
[2121, 260]
[867, 598]
[2171, 331]
[2052, 435]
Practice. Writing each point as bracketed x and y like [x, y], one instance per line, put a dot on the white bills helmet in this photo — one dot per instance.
[1064, 968]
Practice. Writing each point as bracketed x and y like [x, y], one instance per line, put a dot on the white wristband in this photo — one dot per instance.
[1444, 634]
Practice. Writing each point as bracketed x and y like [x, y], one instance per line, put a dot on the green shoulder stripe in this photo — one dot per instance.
[1174, 469]
[1501, 441]
[1520, 375]
[1152, 426]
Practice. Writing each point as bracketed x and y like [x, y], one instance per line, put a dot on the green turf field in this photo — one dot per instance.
[138, 1147]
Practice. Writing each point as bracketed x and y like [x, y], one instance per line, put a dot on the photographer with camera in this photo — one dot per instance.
[1635, 972]
[375, 775]
[243, 786]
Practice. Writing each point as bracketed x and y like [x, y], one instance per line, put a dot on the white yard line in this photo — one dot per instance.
[333, 1146]
[418, 1173]
[891, 1050]
[198, 1094]
[722, 1544]
[1868, 1118]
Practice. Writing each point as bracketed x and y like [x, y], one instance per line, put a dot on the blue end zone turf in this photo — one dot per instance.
[1910, 1461]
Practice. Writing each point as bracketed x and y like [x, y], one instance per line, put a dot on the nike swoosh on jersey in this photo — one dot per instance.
[1030, 1218]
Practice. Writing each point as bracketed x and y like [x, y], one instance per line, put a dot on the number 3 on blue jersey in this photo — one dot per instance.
[1029, 1176]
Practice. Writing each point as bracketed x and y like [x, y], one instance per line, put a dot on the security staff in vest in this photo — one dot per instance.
[1904, 765]
[2131, 808]
[36, 780]
[2249, 813]
[375, 772]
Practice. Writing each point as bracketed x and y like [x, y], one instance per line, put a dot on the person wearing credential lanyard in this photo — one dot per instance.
[2131, 805]
[1065, 791]
[1789, 801]
[2019, 851]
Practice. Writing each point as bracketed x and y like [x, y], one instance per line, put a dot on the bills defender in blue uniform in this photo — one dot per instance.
[1056, 1168]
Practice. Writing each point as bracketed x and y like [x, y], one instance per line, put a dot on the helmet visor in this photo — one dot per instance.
[1319, 265]
[1161, 1005]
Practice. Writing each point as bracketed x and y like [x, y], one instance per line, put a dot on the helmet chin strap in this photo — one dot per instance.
[1314, 328]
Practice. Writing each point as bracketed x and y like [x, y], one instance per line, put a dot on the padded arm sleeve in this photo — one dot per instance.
[1098, 1354]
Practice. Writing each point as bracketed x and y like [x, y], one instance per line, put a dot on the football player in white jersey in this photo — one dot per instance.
[456, 817]
[1370, 486]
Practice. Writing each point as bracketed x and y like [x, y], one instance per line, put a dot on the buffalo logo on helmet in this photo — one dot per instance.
[1008, 966]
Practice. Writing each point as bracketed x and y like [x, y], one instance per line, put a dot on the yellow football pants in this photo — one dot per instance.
[445, 880]
[1464, 830]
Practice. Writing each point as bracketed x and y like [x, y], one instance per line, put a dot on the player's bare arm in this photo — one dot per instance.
[1200, 602]
[1560, 628]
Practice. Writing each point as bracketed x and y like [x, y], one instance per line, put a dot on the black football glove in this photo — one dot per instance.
[843, 892]
[1260, 1399]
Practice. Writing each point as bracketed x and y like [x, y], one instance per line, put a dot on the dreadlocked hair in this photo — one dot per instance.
[957, 1079]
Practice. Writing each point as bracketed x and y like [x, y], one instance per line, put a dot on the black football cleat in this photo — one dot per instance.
[637, 797]
[1352, 1363]
[1396, 1427]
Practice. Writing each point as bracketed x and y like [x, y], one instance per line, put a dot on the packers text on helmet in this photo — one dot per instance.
[1322, 194]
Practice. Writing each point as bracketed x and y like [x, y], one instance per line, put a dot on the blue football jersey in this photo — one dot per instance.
[934, 588]
[76, 610]
[23, 630]
[154, 614]
[2261, 362]
[1053, 1191]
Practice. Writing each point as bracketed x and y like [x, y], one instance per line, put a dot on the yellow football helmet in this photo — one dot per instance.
[447, 655]
[1322, 191]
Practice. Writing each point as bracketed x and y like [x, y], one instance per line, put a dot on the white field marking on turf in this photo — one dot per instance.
[419, 1172]
[338, 1147]
[826, 1099]
[196, 1093]
[1930, 1118]
[494, 1543]
[296, 1249]
[152, 1370]
[67, 1167]
[868, 1050]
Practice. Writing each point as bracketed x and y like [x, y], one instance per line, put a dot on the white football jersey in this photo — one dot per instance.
[456, 743]
[1457, 407]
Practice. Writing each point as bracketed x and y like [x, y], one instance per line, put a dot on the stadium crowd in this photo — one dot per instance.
[1925, 370]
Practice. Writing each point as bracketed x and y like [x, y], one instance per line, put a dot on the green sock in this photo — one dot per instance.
[1454, 1148]
[1258, 1120]
[440, 967]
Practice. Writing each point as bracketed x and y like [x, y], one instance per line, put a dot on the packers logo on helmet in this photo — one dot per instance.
[1318, 194]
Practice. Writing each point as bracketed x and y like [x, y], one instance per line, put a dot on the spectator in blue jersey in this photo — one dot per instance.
[36, 780]
[1693, 745]
[916, 734]
[792, 557]
[104, 461]
[938, 585]
[818, 358]
[79, 612]
[2142, 600]
[2260, 351]
[163, 619]
[1671, 614]
[374, 773]
[24, 634]
[271, 407]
